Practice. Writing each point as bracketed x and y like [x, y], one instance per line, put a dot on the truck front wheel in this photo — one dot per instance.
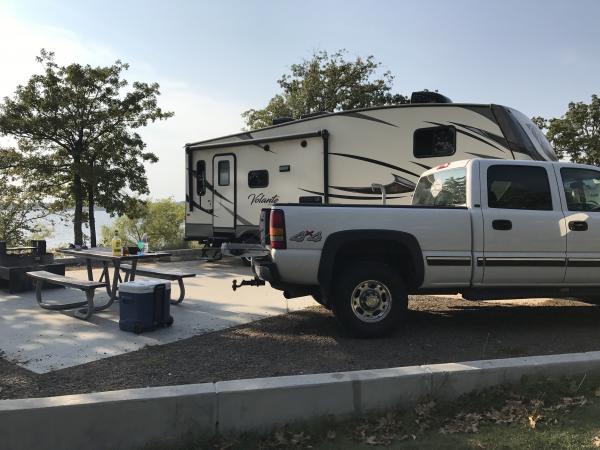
[370, 299]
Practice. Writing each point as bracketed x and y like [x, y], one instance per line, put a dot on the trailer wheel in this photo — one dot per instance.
[370, 299]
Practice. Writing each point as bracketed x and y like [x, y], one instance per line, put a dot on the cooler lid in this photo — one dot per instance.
[142, 286]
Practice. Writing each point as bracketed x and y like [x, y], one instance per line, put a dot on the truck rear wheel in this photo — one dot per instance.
[370, 299]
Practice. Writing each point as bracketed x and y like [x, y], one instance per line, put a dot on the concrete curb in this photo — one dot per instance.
[135, 417]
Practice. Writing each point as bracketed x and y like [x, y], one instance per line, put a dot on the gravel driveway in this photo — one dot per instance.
[310, 341]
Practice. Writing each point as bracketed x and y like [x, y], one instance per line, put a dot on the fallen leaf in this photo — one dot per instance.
[280, 437]
[424, 409]
[371, 440]
[533, 419]
[299, 438]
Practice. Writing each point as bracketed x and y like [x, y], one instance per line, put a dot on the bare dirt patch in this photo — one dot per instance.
[310, 341]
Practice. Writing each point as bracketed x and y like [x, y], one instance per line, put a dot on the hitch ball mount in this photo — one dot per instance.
[252, 282]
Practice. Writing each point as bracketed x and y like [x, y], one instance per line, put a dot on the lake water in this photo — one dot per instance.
[63, 230]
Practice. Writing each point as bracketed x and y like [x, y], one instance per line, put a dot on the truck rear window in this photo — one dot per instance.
[443, 188]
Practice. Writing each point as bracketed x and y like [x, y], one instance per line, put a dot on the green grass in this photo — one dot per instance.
[566, 413]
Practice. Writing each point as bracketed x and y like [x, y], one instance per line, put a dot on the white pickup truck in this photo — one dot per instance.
[486, 229]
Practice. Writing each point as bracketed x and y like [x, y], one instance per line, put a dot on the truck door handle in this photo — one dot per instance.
[578, 225]
[501, 224]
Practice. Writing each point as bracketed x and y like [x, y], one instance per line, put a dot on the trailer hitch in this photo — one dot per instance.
[252, 282]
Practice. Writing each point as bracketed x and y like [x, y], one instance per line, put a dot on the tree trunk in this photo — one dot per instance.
[78, 218]
[92, 218]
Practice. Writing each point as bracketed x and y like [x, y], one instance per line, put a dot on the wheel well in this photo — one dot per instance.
[388, 251]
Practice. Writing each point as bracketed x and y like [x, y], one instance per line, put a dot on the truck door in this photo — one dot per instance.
[581, 197]
[224, 192]
[523, 225]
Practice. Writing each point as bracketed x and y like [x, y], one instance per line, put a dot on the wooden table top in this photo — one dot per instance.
[105, 254]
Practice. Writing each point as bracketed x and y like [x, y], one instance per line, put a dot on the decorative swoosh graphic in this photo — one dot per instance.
[471, 135]
[492, 136]
[238, 217]
[479, 155]
[374, 161]
[366, 117]
[211, 188]
[197, 205]
[424, 166]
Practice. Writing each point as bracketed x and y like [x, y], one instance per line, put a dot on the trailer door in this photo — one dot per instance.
[224, 189]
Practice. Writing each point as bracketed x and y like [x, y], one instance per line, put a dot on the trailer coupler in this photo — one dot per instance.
[252, 282]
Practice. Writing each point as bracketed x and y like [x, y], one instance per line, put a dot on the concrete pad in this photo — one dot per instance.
[124, 419]
[43, 341]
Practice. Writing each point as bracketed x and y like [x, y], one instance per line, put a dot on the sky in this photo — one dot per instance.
[214, 60]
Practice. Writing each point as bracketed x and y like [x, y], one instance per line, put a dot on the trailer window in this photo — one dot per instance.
[518, 187]
[200, 178]
[223, 173]
[434, 142]
[258, 178]
[444, 188]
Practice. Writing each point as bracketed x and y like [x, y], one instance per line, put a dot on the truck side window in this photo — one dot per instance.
[518, 187]
[223, 173]
[444, 188]
[201, 178]
[434, 142]
[258, 178]
[582, 189]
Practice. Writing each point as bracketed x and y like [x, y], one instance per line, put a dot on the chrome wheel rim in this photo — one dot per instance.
[371, 301]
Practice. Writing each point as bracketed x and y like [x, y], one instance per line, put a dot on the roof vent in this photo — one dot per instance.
[280, 120]
[428, 97]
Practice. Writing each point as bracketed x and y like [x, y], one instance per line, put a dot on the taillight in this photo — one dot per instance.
[277, 229]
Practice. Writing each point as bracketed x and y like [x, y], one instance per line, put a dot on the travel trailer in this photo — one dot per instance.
[365, 156]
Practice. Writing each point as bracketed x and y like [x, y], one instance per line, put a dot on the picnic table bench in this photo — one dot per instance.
[171, 275]
[89, 287]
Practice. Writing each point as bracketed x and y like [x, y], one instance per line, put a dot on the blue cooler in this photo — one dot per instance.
[144, 305]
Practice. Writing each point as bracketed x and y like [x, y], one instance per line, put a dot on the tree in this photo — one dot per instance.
[161, 220]
[20, 210]
[576, 135]
[76, 142]
[326, 83]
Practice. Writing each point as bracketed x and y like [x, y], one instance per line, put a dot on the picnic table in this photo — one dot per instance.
[107, 258]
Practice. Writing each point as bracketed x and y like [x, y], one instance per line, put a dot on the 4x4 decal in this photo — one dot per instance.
[309, 235]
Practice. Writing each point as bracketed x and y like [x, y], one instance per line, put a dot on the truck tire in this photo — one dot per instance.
[370, 300]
